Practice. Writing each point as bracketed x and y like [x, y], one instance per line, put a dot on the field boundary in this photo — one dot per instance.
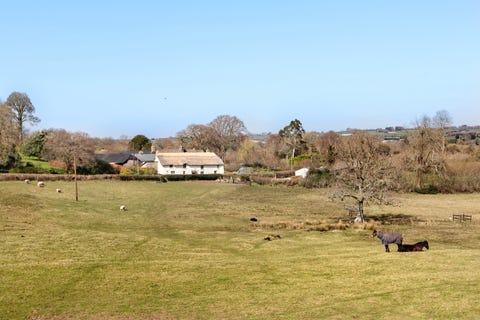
[462, 217]
[118, 177]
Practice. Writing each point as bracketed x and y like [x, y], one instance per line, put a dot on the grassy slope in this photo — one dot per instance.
[36, 162]
[188, 251]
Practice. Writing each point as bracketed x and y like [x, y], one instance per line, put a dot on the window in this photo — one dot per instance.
[172, 172]
[201, 167]
[184, 165]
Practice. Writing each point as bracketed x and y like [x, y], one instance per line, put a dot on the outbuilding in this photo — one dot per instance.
[301, 172]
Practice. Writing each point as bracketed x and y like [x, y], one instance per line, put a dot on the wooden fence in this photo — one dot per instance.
[461, 217]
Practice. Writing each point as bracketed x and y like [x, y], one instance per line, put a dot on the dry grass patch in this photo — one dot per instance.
[307, 225]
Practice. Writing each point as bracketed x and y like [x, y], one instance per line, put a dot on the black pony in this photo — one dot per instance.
[388, 238]
[414, 247]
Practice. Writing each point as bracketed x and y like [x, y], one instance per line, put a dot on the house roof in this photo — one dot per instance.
[145, 157]
[192, 158]
[124, 157]
[117, 158]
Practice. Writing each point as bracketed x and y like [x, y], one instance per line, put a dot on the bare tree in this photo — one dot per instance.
[70, 148]
[224, 133]
[7, 126]
[199, 137]
[73, 149]
[23, 111]
[250, 152]
[165, 144]
[273, 151]
[9, 156]
[425, 151]
[230, 131]
[442, 120]
[365, 172]
[327, 145]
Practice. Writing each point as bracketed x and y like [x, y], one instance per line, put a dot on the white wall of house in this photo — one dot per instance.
[180, 163]
[190, 169]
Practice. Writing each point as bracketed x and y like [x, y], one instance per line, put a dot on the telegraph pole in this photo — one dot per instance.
[75, 174]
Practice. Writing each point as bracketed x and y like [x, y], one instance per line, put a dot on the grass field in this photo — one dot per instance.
[188, 250]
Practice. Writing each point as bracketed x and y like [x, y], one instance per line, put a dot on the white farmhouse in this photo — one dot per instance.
[188, 163]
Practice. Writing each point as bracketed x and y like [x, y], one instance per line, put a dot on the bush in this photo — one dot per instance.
[9, 158]
[428, 189]
[34, 145]
[96, 167]
[129, 171]
[191, 177]
[318, 178]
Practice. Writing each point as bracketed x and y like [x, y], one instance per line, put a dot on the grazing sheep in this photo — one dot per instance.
[41, 184]
[27, 181]
[123, 208]
[59, 190]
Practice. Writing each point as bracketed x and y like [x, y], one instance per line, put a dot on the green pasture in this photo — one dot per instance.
[188, 250]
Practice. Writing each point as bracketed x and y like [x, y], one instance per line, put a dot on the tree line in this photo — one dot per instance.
[424, 161]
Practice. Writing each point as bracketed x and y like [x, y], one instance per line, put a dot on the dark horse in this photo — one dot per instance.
[414, 247]
[388, 238]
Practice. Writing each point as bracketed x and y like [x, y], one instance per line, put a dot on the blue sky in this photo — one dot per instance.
[113, 68]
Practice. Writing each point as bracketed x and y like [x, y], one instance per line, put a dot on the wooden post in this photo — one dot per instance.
[75, 174]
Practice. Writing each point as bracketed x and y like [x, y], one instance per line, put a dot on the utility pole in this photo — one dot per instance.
[75, 174]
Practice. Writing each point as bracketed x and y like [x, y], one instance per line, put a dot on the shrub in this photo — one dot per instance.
[137, 171]
[9, 158]
[96, 167]
[428, 189]
[318, 178]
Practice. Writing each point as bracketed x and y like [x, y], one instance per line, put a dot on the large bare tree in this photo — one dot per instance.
[327, 145]
[229, 131]
[224, 133]
[7, 127]
[364, 172]
[23, 112]
[442, 120]
[70, 148]
[199, 137]
[251, 152]
[8, 153]
[425, 154]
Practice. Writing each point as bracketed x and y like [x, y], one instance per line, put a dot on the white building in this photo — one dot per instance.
[188, 163]
[302, 173]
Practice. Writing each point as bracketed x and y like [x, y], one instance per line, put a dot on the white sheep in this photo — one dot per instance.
[41, 184]
[59, 190]
[123, 208]
[27, 181]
